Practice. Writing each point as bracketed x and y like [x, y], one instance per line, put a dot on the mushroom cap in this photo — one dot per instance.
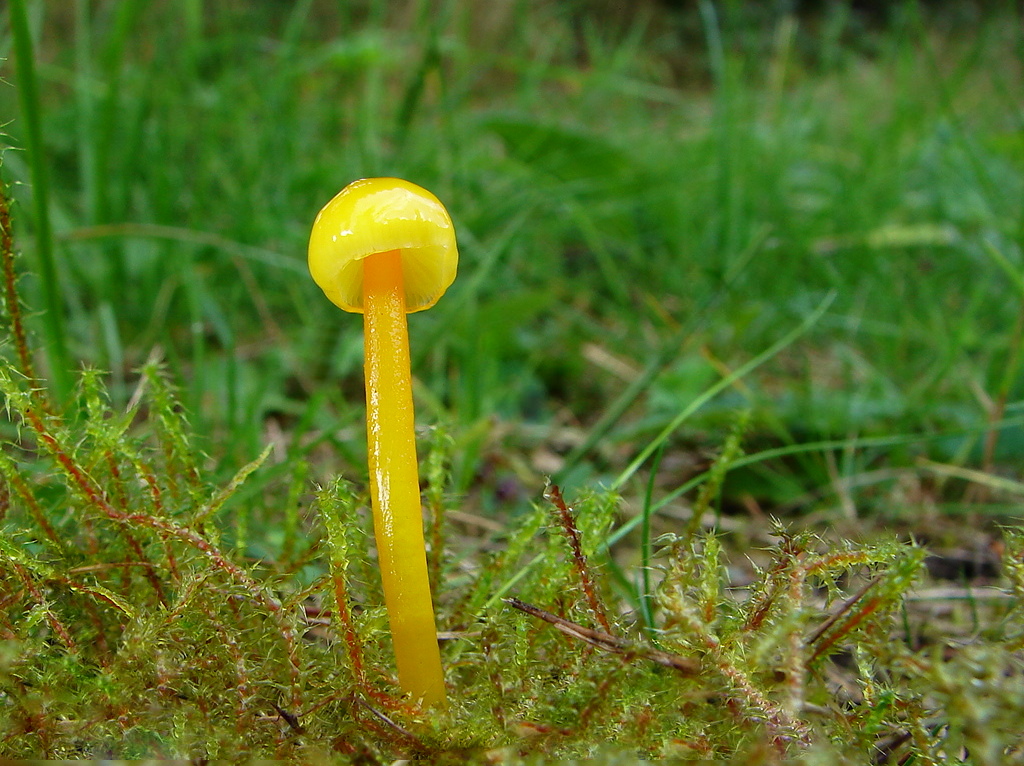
[377, 215]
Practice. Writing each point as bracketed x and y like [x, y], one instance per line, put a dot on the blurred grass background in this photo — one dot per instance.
[645, 200]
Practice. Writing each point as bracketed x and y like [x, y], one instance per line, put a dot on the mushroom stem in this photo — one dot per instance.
[394, 480]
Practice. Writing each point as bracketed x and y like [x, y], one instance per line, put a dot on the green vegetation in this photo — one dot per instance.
[748, 287]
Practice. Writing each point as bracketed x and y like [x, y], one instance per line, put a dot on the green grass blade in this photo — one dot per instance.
[31, 111]
[665, 356]
[720, 386]
[774, 453]
[646, 546]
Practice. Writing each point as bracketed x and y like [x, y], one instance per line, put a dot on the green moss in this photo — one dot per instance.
[134, 634]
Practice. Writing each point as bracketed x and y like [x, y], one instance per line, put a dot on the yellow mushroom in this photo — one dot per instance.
[384, 247]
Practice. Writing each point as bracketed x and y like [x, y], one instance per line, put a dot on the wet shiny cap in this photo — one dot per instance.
[377, 215]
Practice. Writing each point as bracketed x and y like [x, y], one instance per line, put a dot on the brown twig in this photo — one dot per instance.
[289, 718]
[843, 609]
[606, 641]
[886, 748]
[389, 722]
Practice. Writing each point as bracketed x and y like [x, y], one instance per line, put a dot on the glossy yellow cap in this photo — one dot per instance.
[378, 215]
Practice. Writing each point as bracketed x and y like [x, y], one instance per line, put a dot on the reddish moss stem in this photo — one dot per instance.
[572, 534]
[13, 303]
[55, 624]
[353, 644]
[847, 627]
[23, 491]
[97, 498]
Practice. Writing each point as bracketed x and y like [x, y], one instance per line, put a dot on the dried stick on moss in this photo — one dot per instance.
[606, 641]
